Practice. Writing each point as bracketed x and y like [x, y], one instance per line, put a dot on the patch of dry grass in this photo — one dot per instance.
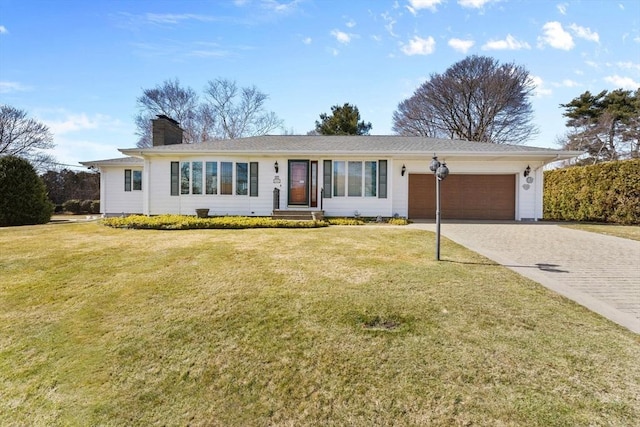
[103, 326]
[625, 231]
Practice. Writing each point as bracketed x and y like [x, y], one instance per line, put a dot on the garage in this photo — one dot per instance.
[483, 197]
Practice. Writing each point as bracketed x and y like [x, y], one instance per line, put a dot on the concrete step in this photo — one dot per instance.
[298, 215]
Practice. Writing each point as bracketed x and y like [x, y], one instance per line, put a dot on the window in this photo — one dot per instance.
[370, 179]
[185, 178]
[127, 180]
[207, 178]
[226, 178]
[242, 180]
[355, 179]
[137, 180]
[132, 180]
[175, 178]
[338, 179]
[253, 179]
[211, 178]
[196, 176]
[361, 178]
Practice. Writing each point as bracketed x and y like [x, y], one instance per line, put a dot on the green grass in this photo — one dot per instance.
[625, 231]
[330, 326]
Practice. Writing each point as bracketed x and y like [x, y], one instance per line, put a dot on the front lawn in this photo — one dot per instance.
[353, 326]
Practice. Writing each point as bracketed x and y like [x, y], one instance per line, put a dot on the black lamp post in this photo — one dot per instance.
[441, 171]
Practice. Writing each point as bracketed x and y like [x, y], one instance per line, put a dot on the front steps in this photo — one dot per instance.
[298, 215]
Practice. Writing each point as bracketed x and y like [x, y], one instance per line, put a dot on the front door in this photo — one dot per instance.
[298, 182]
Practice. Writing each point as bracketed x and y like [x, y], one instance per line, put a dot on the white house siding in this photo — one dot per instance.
[161, 201]
[113, 199]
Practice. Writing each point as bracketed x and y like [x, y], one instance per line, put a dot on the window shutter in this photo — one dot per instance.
[127, 180]
[175, 178]
[382, 179]
[253, 179]
[326, 181]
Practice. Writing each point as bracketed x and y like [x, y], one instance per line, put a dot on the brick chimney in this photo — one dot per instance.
[166, 131]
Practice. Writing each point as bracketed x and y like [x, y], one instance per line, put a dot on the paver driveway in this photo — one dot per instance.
[599, 272]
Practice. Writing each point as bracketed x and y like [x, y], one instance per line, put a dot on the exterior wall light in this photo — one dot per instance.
[403, 170]
[527, 171]
[276, 167]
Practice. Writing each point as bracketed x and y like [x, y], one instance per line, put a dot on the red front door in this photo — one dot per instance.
[299, 182]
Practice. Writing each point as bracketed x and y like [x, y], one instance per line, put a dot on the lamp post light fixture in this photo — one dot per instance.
[403, 170]
[276, 167]
[441, 171]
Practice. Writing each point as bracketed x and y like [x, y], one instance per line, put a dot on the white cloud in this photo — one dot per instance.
[172, 18]
[341, 36]
[351, 23]
[540, 90]
[419, 46]
[555, 36]
[622, 82]
[461, 45]
[307, 40]
[8, 87]
[562, 8]
[280, 7]
[390, 22]
[77, 122]
[473, 4]
[569, 83]
[510, 43]
[3, 30]
[584, 33]
[628, 65]
[416, 5]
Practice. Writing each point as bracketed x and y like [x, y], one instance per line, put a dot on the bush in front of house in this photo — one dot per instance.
[606, 192]
[95, 207]
[23, 196]
[183, 222]
[73, 206]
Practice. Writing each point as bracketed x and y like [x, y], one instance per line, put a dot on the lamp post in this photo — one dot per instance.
[440, 171]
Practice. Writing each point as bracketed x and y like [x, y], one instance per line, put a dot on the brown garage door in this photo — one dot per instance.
[463, 197]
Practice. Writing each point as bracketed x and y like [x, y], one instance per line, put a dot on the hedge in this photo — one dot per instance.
[606, 192]
[183, 222]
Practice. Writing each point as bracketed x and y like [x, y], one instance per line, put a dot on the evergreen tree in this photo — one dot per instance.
[23, 197]
[343, 120]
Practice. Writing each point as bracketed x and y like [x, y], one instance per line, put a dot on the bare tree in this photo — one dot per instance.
[238, 112]
[227, 112]
[23, 137]
[179, 103]
[476, 99]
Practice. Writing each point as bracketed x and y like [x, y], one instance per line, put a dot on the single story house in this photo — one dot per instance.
[338, 175]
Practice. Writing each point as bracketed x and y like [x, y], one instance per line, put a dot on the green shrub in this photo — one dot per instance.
[95, 207]
[606, 192]
[72, 206]
[345, 221]
[398, 221]
[85, 206]
[182, 222]
[23, 196]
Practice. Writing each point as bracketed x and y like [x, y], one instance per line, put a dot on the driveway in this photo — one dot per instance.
[599, 272]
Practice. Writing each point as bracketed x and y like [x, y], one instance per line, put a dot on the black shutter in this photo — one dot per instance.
[382, 179]
[127, 180]
[253, 179]
[175, 178]
[326, 179]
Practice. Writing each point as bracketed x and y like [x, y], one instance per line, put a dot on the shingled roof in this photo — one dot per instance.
[347, 145]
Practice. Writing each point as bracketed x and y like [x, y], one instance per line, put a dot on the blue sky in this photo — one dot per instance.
[79, 66]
